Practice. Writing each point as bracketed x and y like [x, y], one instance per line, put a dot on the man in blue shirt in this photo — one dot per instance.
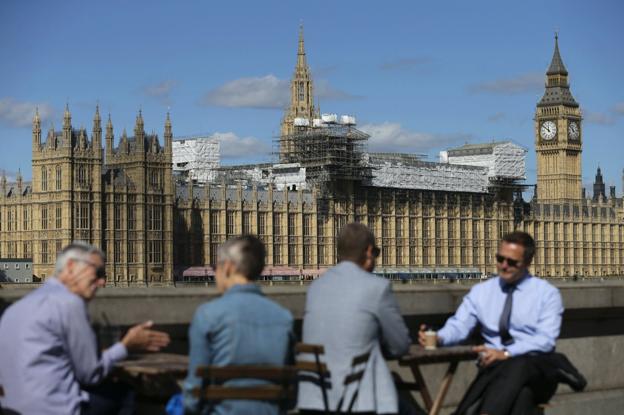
[520, 317]
[49, 362]
[242, 327]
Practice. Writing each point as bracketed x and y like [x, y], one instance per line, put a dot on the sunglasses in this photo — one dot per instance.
[511, 262]
[100, 272]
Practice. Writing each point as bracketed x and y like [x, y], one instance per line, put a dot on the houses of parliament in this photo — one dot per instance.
[155, 227]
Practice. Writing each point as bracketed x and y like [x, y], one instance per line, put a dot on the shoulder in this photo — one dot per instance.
[485, 286]
[545, 287]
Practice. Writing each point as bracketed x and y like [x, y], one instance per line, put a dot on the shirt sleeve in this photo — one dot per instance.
[547, 328]
[89, 368]
[459, 326]
[395, 335]
[199, 355]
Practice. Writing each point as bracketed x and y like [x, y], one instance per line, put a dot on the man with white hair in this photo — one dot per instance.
[242, 327]
[49, 362]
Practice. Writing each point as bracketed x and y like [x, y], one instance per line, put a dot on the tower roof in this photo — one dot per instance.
[556, 64]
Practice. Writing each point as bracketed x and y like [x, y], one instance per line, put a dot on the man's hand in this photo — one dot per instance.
[488, 356]
[142, 338]
[422, 336]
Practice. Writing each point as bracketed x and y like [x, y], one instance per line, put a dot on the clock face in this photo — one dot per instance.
[573, 130]
[548, 130]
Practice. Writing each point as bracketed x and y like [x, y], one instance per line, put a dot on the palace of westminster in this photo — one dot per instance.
[429, 217]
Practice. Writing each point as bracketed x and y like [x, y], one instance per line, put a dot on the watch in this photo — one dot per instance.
[506, 353]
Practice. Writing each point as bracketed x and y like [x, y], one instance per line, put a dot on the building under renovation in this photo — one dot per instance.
[431, 219]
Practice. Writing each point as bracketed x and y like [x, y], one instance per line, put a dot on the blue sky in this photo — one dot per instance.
[420, 76]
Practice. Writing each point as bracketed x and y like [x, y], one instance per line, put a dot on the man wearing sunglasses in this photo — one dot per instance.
[520, 317]
[49, 362]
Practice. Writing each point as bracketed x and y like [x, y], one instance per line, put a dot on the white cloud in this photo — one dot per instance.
[260, 92]
[160, 91]
[391, 137]
[235, 147]
[265, 92]
[530, 82]
[619, 108]
[20, 114]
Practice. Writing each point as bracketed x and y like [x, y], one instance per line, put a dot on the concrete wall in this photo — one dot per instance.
[592, 333]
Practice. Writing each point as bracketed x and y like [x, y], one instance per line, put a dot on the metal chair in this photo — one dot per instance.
[316, 371]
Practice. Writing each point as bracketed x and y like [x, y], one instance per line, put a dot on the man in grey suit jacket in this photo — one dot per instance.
[351, 312]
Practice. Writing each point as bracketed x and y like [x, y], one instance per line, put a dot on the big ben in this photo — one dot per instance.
[558, 138]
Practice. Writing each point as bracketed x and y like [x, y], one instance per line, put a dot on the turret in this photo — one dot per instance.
[19, 181]
[67, 128]
[36, 130]
[109, 139]
[139, 131]
[96, 136]
[82, 139]
[168, 135]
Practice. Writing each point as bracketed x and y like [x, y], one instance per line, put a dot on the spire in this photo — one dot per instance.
[556, 65]
[67, 117]
[301, 56]
[138, 126]
[96, 117]
[36, 130]
[168, 134]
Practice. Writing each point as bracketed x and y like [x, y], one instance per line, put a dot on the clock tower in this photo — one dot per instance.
[558, 138]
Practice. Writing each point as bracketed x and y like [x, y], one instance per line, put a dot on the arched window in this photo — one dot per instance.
[301, 91]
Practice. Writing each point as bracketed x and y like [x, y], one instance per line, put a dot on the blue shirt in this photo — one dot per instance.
[535, 316]
[242, 327]
[48, 351]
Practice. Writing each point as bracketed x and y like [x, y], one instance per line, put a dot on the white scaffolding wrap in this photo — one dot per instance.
[196, 158]
[404, 172]
[504, 160]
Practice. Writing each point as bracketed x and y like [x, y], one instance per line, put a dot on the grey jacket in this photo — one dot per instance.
[350, 312]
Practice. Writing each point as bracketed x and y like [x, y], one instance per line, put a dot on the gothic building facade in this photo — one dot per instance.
[125, 200]
[120, 201]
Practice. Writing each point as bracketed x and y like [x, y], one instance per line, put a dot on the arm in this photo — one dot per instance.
[547, 330]
[199, 355]
[459, 326]
[395, 335]
[82, 349]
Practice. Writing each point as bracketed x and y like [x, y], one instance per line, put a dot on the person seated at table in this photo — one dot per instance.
[520, 318]
[242, 327]
[351, 312]
[49, 362]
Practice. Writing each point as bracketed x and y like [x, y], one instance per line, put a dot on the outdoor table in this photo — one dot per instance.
[153, 375]
[451, 355]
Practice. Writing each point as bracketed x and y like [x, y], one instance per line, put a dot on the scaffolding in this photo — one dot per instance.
[330, 154]
[196, 158]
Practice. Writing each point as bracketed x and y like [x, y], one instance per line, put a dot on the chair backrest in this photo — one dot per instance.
[358, 367]
[279, 386]
[321, 375]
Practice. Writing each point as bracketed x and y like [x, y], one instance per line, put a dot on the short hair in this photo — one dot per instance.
[353, 241]
[524, 239]
[77, 250]
[246, 252]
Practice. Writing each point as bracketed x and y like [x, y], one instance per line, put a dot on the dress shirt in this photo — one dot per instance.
[242, 327]
[535, 316]
[48, 351]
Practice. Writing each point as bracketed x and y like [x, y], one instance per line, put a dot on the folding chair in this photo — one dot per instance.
[321, 375]
[280, 386]
[358, 366]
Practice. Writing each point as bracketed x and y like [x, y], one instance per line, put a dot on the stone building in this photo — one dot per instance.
[121, 201]
[430, 219]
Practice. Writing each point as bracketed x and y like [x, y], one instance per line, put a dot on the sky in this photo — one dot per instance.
[419, 76]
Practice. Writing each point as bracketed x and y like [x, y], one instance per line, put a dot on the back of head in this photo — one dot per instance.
[353, 241]
[247, 253]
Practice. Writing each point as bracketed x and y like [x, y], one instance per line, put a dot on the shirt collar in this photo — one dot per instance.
[519, 285]
[244, 288]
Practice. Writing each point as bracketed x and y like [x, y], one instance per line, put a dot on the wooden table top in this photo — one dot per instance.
[418, 355]
[154, 364]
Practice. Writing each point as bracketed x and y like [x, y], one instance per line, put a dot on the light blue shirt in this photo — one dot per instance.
[242, 327]
[535, 319]
[48, 351]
